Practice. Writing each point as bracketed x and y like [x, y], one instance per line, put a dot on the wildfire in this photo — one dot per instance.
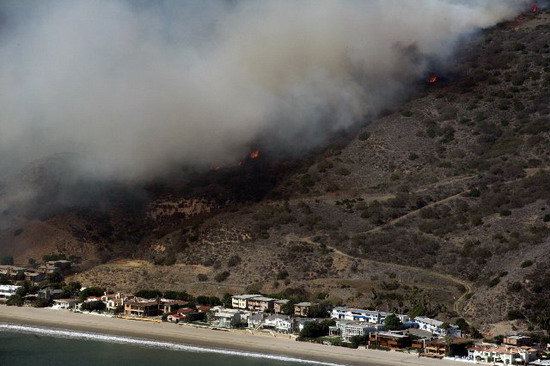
[534, 8]
[433, 79]
[255, 154]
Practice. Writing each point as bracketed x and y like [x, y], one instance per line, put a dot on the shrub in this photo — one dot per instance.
[515, 287]
[234, 260]
[202, 277]
[363, 136]
[546, 218]
[6, 260]
[147, 294]
[220, 277]
[515, 314]
[495, 281]
[527, 263]
[406, 113]
[93, 306]
[413, 157]
[307, 181]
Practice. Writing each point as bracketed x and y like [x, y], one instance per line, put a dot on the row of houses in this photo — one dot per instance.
[256, 302]
[37, 275]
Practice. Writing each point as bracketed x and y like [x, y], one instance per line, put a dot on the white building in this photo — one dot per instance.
[347, 329]
[363, 315]
[64, 304]
[229, 318]
[506, 355]
[7, 291]
[280, 323]
[435, 327]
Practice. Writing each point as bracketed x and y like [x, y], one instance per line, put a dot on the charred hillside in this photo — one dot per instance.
[443, 205]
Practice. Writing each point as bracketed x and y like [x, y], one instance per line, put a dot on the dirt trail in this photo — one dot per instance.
[458, 304]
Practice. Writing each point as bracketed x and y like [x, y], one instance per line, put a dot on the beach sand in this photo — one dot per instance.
[184, 334]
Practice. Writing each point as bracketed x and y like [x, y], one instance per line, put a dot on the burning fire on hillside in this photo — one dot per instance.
[255, 154]
[432, 79]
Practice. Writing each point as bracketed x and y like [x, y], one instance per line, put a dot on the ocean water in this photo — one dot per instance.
[29, 345]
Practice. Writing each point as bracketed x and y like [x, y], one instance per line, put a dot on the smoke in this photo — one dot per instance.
[142, 87]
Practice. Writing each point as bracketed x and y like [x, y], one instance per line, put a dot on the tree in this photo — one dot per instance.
[55, 277]
[148, 294]
[392, 322]
[314, 330]
[93, 306]
[6, 260]
[15, 300]
[90, 291]
[32, 262]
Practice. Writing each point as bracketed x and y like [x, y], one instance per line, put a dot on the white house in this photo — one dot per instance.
[280, 323]
[347, 329]
[228, 318]
[506, 355]
[363, 315]
[435, 327]
[64, 304]
[255, 320]
[7, 291]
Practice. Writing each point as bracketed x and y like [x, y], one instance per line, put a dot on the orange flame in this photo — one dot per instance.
[534, 8]
[433, 79]
[255, 154]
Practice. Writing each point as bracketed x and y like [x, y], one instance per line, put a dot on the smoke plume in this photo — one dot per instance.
[142, 87]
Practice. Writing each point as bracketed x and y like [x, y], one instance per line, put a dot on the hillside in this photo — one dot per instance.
[443, 203]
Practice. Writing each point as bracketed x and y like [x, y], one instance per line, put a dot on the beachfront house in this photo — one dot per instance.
[7, 291]
[169, 306]
[65, 304]
[437, 327]
[279, 323]
[255, 320]
[363, 315]
[389, 339]
[504, 354]
[142, 308]
[228, 318]
[347, 329]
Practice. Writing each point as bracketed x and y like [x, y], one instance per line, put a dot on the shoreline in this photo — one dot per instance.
[208, 339]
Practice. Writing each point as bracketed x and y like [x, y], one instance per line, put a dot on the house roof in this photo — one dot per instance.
[261, 298]
[282, 302]
[245, 296]
[434, 322]
[305, 303]
[185, 311]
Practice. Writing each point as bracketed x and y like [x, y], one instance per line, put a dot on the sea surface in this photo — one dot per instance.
[28, 345]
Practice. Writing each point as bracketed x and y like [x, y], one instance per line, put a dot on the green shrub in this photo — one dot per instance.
[202, 277]
[406, 113]
[413, 156]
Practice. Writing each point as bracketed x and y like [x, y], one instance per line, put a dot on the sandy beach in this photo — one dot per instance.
[233, 340]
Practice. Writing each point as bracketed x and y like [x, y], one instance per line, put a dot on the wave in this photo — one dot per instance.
[63, 333]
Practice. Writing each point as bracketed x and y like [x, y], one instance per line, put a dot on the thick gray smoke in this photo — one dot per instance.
[140, 87]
